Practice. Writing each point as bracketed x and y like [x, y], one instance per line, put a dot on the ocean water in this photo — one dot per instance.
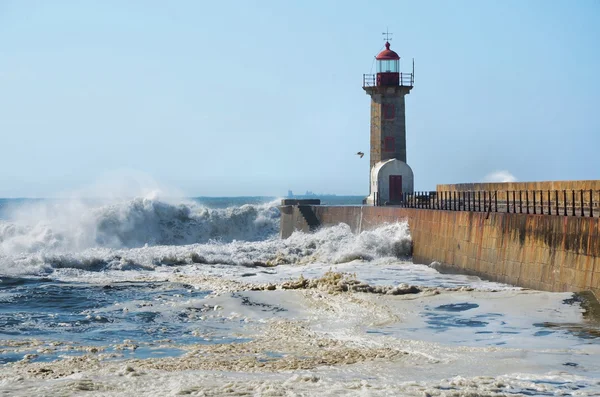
[151, 296]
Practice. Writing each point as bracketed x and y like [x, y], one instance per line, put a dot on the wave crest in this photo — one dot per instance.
[134, 223]
[330, 245]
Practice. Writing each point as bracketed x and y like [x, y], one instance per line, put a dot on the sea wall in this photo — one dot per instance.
[546, 252]
[548, 196]
[531, 186]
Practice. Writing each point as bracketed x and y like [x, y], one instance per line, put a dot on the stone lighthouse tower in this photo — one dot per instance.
[391, 177]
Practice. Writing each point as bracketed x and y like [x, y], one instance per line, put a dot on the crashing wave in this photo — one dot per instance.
[329, 245]
[133, 223]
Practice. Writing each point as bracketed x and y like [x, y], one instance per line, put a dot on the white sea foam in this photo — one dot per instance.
[344, 324]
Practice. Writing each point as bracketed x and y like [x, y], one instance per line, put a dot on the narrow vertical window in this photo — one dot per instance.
[389, 111]
[389, 144]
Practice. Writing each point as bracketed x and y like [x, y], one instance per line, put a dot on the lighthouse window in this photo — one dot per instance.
[389, 111]
[389, 144]
[387, 66]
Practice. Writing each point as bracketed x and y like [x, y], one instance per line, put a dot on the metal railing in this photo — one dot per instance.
[543, 202]
[369, 80]
[405, 79]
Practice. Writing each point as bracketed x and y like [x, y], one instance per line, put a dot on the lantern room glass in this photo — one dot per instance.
[387, 66]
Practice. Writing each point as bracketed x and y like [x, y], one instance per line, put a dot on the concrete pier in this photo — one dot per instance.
[545, 252]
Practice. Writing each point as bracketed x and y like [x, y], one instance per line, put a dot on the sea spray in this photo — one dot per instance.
[76, 225]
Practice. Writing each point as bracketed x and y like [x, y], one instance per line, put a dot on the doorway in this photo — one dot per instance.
[395, 188]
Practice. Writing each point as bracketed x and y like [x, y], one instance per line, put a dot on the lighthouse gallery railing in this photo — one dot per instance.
[406, 80]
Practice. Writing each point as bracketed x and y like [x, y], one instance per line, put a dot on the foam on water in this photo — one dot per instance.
[154, 297]
[337, 329]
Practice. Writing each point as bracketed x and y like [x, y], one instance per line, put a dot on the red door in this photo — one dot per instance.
[395, 187]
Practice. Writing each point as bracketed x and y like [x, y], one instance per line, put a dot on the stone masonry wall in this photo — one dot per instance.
[388, 124]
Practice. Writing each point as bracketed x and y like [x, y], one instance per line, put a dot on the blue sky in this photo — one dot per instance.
[258, 97]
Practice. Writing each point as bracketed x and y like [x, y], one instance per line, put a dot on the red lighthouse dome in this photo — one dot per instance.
[387, 54]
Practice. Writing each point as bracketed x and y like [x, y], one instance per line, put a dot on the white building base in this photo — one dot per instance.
[390, 181]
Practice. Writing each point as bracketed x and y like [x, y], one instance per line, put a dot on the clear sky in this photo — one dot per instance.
[257, 97]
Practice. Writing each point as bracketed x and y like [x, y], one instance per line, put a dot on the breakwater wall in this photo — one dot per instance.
[524, 186]
[550, 197]
[545, 252]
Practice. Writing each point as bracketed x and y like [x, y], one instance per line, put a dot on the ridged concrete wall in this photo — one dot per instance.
[546, 252]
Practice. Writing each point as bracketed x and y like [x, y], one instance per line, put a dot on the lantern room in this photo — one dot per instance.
[387, 61]
[388, 69]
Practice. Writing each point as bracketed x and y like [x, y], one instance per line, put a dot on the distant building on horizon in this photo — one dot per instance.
[309, 193]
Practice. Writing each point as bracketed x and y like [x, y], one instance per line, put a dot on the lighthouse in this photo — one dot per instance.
[390, 175]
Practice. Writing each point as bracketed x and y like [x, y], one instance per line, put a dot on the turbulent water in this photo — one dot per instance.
[147, 296]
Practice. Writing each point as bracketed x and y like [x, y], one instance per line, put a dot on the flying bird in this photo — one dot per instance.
[361, 154]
